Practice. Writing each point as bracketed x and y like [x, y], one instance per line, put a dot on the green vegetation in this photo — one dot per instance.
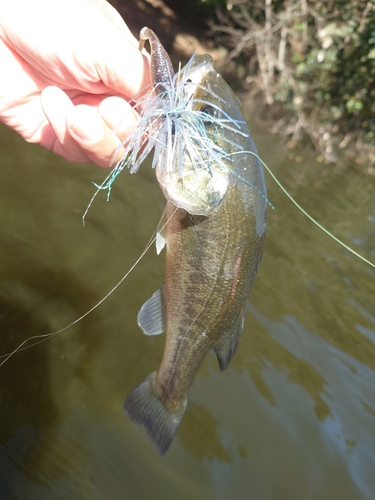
[317, 58]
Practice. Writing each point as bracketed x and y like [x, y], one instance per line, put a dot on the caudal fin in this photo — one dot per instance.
[144, 407]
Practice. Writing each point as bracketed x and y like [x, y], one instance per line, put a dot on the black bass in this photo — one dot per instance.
[207, 166]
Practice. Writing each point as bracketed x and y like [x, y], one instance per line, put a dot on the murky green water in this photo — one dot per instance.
[294, 415]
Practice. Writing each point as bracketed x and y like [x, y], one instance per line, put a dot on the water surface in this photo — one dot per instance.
[294, 415]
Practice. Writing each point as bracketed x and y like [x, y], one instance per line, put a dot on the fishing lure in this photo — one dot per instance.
[184, 121]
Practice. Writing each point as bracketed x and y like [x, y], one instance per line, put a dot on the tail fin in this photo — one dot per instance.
[144, 407]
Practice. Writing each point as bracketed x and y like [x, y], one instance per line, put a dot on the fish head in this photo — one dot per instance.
[202, 127]
[193, 122]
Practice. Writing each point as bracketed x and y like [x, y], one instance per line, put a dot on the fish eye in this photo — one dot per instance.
[210, 111]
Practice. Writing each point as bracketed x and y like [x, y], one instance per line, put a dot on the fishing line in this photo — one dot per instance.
[307, 214]
[48, 336]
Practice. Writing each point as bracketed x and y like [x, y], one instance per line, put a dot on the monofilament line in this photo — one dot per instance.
[47, 336]
[308, 215]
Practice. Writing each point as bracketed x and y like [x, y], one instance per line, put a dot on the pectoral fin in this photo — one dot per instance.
[160, 242]
[152, 315]
[228, 345]
[161, 234]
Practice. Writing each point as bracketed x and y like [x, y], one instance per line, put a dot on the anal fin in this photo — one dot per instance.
[226, 348]
[152, 315]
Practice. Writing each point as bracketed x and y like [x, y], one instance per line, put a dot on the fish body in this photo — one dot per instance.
[213, 251]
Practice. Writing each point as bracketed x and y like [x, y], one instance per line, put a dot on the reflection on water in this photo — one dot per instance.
[294, 415]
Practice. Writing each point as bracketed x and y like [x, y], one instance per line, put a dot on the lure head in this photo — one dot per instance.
[193, 122]
[181, 157]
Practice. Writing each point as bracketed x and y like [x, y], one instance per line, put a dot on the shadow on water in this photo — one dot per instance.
[33, 300]
[293, 416]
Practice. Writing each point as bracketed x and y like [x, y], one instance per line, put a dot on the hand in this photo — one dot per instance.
[68, 70]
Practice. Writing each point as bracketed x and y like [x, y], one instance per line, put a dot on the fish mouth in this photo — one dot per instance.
[199, 192]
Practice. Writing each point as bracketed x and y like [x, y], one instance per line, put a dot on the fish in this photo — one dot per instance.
[213, 229]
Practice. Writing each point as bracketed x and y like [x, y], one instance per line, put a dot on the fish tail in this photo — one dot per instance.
[143, 406]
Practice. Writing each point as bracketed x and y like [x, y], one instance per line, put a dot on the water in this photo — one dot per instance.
[294, 415]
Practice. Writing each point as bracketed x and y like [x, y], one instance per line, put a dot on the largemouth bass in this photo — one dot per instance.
[207, 166]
